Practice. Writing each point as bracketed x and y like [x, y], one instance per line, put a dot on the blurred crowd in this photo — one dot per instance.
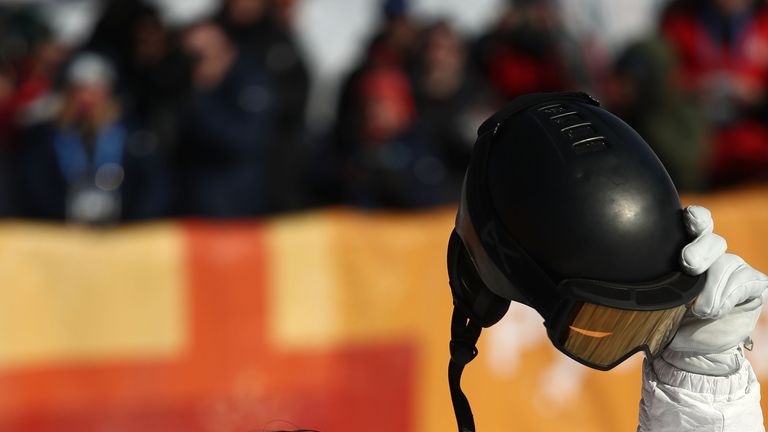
[143, 120]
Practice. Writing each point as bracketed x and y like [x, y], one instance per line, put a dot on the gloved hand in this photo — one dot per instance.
[718, 324]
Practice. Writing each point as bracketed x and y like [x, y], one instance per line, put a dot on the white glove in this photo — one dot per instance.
[718, 324]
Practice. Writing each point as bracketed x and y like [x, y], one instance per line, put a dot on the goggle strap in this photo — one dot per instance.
[464, 335]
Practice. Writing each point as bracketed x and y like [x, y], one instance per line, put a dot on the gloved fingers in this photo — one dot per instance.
[729, 282]
[697, 220]
[698, 255]
[749, 296]
[748, 305]
[718, 285]
[706, 336]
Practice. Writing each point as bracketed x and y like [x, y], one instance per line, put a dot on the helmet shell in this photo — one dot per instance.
[563, 201]
[584, 194]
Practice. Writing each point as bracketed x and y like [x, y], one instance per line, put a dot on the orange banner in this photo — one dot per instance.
[333, 320]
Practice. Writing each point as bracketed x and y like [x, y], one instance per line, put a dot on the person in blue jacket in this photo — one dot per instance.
[90, 163]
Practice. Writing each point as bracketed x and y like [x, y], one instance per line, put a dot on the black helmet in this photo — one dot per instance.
[565, 208]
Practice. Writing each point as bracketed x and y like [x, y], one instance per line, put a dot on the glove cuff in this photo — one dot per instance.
[669, 374]
[718, 364]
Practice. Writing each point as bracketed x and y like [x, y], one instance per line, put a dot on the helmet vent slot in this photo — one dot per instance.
[590, 145]
[579, 131]
[566, 119]
[553, 109]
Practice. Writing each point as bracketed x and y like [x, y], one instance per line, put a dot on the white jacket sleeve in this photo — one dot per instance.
[674, 400]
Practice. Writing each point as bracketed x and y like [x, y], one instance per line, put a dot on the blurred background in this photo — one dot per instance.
[231, 215]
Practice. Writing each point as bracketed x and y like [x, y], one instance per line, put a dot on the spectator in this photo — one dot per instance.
[522, 53]
[113, 34]
[394, 164]
[154, 72]
[645, 94]
[160, 78]
[403, 133]
[31, 59]
[91, 164]
[722, 46]
[228, 129]
[261, 30]
[392, 47]
[528, 50]
[446, 98]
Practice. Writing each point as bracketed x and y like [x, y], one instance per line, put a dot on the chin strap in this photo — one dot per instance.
[464, 335]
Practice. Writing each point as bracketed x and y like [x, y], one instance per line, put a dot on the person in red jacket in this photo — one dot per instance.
[722, 46]
[521, 54]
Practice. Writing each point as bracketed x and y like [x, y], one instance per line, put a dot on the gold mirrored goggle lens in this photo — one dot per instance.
[602, 335]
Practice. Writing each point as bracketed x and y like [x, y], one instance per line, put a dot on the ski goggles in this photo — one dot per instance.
[602, 336]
